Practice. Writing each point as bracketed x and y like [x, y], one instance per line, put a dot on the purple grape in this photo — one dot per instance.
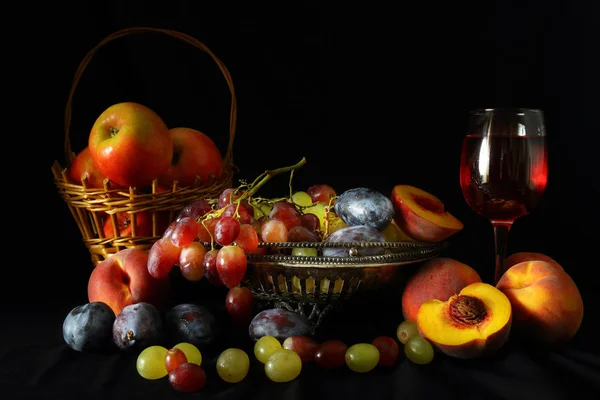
[279, 323]
[196, 208]
[137, 326]
[191, 323]
[88, 327]
[364, 206]
[354, 234]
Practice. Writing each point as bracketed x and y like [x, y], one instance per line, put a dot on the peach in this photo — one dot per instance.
[547, 305]
[421, 215]
[438, 278]
[123, 279]
[516, 258]
[474, 323]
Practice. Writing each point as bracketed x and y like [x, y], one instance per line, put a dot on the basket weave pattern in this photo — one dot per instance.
[90, 206]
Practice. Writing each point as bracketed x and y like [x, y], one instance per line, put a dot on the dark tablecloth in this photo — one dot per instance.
[36, 363]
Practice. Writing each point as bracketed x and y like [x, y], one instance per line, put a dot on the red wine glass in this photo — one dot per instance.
[504, 168]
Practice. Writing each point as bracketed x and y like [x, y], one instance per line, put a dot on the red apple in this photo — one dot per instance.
[194, 155]
[123, 279]
[143, 224]
[131, 144]
[83, 165]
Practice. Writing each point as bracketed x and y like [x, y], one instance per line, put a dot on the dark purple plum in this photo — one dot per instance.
[358, 233]
[280, 323]
[137, 326]
[364, 206]
[88, 327]
[191, 323]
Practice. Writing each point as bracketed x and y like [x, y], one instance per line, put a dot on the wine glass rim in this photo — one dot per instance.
[506, 109]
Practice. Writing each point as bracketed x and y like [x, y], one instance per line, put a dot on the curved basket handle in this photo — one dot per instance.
[182, 36]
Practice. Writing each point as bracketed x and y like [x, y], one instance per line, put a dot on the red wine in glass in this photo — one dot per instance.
[504, 168]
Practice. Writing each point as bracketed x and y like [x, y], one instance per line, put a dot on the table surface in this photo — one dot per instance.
[36, 363]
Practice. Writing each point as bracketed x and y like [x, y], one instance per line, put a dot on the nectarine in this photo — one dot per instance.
[123, 279]
[516, 258]
[421, 215]
[473, 323]
[547, 305]
[438, 278]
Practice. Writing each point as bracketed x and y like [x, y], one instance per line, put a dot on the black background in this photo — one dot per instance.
[372, 96]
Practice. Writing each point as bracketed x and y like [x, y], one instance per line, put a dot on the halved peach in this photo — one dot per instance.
[421, 215]
[474, 323]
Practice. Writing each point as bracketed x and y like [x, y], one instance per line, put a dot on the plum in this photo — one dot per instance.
[280, 323]
[191, 323]
[364, 206]
[359, 233]
[137, 326]
[88, 327]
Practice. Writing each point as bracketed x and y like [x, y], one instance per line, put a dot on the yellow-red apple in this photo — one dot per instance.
[83, 165]
[421, 215]
[123, 279]
[547, 306]
[131, 144]
[195, 155]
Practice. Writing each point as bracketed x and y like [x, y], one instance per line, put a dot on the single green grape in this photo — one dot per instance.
[418, 350]
[362, 357]
[304, 251]
[191, 352]
[265, 346]
[302, 199]
[318, 209]
[407, 330]
[283, 366]
[233, 365]
[150, 363]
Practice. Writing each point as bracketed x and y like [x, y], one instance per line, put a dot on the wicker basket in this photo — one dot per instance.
[90, 206]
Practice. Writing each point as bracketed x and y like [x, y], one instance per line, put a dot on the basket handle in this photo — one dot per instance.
[179, 35]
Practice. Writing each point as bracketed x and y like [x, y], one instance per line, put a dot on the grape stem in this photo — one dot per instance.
[263, 178]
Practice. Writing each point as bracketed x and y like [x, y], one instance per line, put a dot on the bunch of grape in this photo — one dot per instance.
[212, 238]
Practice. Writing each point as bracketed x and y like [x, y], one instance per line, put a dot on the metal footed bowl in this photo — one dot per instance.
[320, 282]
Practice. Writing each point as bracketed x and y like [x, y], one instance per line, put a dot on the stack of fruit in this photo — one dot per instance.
[130, 145]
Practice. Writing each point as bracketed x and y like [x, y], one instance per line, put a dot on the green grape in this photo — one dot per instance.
[302, 199]
[304, 251]
[150, 363]
[233, 365]
[418, 350]
[283, 366]
[362, 357]
[407, 330]
[191, 352]
[265, 346]
[318, 209]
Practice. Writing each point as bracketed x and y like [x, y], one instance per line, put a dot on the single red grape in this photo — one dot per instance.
[304, 346]
[174, 358]
[185, 232]
[244, 216]
[187, 377]
[227, 230]
[274, 230]
[210, 268]
[195, 209]
[206, 228]
[311, 221]
[191, 261]
[321, 193]
[388, 350]
[162, 257]
[287, 213]
[247, 238]
[239, 303]
[231, 264]
[331, 354]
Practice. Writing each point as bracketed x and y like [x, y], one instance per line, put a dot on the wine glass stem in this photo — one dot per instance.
[501, 239]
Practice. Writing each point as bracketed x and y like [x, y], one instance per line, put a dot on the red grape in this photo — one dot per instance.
[247, 238]
[287, 213]
[244, 216]
[228, 196]
[226, 230]
[274, 230]
[174, 358]
[206, 228]
[187, 377]
[321, 193]
[311, 221]
[331, 354]
[210, 268]
[304, 346]
[231, 264]
[302, 234]
[190, 261]
[169, 230]
[239, 303]
[194, 209]
[388, 350]
[162, 256]
[185, 232]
